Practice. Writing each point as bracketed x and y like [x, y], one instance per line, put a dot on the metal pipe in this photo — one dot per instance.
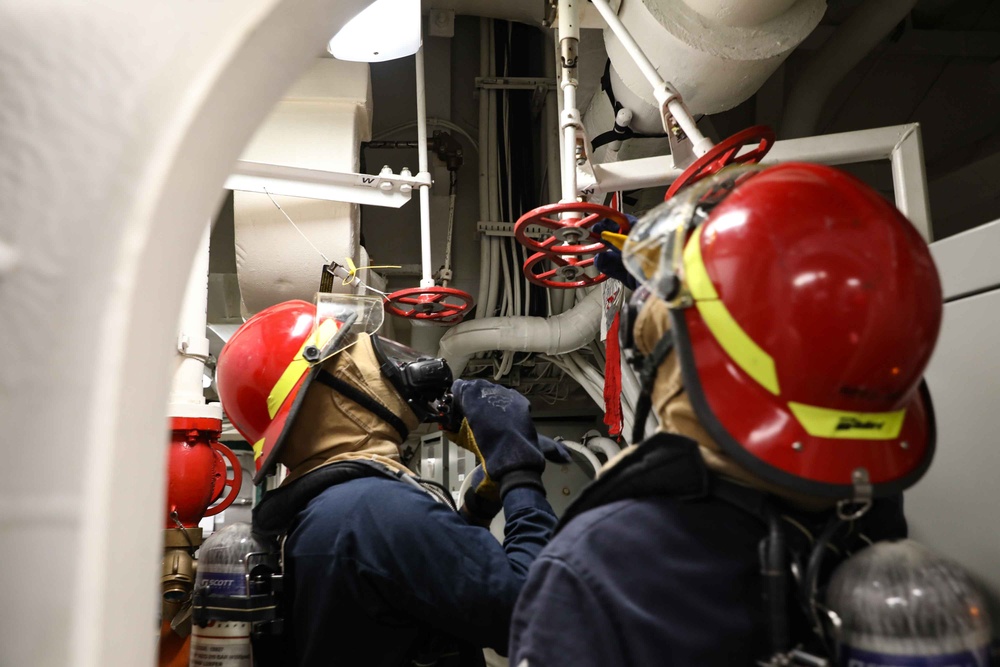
[569, 40]
[389, 144]
[426, 279]
[634, 50]
[493, 152]
[568, 162]
[484, 206]
[484, 276]
[909, 181]
[494, 291]
[899, 143]
[187, 394]
[446, 272]
[552, 137]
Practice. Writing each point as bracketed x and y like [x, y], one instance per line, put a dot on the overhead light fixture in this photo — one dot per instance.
[385, 30]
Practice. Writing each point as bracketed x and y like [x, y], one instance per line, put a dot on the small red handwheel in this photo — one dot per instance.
[725, 153]
[568, 273]
[444, 304]
[570, 236]
[234, 482]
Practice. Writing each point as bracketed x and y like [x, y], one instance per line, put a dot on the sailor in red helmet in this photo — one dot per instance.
[781, 328]
[379, 568]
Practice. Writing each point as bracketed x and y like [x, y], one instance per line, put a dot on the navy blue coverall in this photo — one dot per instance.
[375, 566]
[647, 579]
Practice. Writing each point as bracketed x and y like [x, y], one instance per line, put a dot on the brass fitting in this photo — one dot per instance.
[177, 579]
[177, 574]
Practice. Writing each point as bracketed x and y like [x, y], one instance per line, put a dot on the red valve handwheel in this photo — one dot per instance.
[573, 234]
[234, 483]
[725, 153]
[444, 304]
[569, 270]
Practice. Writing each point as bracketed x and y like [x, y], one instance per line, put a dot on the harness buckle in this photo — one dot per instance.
[861, 499]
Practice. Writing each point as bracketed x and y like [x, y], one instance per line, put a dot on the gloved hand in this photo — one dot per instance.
[479, 508]
[553, 450]
[497, 428]
[609, 262]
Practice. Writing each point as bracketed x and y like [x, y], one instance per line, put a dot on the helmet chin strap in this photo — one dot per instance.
[647, 377]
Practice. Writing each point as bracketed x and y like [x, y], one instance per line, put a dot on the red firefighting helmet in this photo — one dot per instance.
[804, 309]
[264, 369]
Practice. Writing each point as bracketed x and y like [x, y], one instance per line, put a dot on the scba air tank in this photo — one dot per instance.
[223, 570]
[902, 606]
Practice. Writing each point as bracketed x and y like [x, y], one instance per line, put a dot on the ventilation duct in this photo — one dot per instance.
[320, 124]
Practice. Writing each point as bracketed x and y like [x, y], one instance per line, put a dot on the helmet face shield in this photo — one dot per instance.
[653, 250]
[340, 319]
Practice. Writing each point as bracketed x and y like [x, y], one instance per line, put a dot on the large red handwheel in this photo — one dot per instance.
[234, 482]
[568, 273]
[725, 153]
[572, 235]
[444, 304]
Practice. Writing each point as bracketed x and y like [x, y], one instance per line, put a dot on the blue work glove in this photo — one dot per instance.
[497, 428]
[609, 262]
[481, 508]
[553, 450]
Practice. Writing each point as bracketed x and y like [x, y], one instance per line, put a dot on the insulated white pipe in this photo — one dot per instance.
[847, 46]
[426, 279]
[607, 446]
[594, 462]
[187, 394]
[554, 335]
[662, 91]
[740, 12]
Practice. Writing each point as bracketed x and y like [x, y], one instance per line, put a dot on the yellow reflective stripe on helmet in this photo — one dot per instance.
[740, 347]
[827, 423]
[258, 449]
[298, 366]
[293, 372]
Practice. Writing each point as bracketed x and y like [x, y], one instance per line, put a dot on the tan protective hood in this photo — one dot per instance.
[331, 427]
[673, 407]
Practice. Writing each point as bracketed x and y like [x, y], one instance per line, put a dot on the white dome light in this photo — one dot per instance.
[385, 30]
